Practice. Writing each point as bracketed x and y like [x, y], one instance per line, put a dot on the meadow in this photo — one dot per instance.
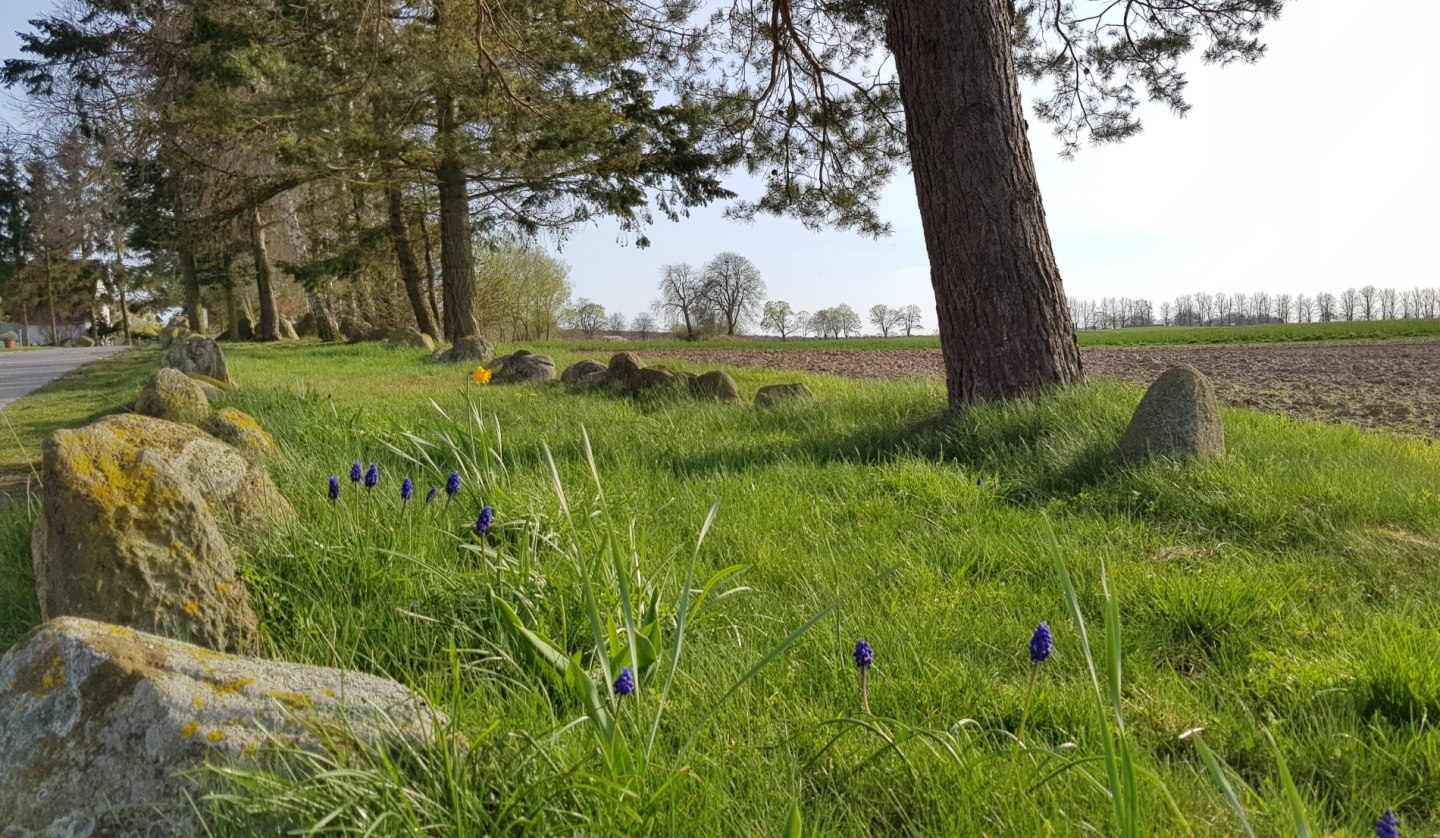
[1139, 336]
[1282, 599]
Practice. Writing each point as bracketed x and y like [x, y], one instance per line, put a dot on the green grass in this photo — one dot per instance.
[1288, 588]
[1148, 336]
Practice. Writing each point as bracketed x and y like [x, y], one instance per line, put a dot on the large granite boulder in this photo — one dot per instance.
[355, 330]
[410, 337]
[170, 334]
[129, 532]
[473, 350]
[1179, 418]
[585, 373]
[716, 385]
[197, 355]
[288, 330]
[656, 380]
[625, 369]
[97, 720]
[775, 395]
[305, 326]
[174, 396]
[240, 430]
[522, 367]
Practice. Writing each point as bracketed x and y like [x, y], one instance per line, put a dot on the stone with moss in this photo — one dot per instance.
[410, 338]
[775, 395]
[625, 369]
[716, 385]
[241, 430]
[173, 396]
[197, 355]
[585, 373]
[129, 530]
[1178, 418]
[97, 721]
[470, 349]
[522, 367]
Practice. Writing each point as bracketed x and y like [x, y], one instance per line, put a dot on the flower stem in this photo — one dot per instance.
[865, 690]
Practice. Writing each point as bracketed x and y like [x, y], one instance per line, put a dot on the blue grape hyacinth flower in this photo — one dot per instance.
[334, 487]
[625, 684]
[372, 476]
[452, 485]
[356, 472]
[407, 489]
[1041, 643]
[434, 490]
[482, 521]
[1388, 826]
[864, 655]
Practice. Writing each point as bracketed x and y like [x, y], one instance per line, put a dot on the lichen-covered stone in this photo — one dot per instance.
[354, 329]
[411, 337]
[774, 395]
[716, 385]
[96, 720]
[241, 430]
[305, 326]
[197, 355]
[655, 380]
[287, 329]
[1179, 418]
[129, 529]
[471, 349]
[174, 396]
[168, 335]
[214, 382]
[522, 367]
[587, 373]
[625, 369]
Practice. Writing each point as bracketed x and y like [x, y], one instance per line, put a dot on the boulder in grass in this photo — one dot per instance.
[240, 430]
[354, 329]
[97, 721]
[656, 380]
[625, 369]
[287, 329]
[170, 334]
[198, 356]
[717, 386]
[305, 326]
[174, 396]
[246, 329]
[1178, 418]
[522, 367]
[411, 337]
[179, 321]
[588, 373]
[774, 395]
[471, 349]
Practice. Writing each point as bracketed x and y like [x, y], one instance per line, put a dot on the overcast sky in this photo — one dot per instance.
[1313, 170]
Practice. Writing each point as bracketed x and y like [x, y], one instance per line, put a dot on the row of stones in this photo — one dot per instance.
[134, 675]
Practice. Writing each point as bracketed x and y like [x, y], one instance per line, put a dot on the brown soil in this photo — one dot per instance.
[1392, 385]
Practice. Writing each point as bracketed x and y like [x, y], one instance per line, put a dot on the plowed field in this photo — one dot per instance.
[1393, 385]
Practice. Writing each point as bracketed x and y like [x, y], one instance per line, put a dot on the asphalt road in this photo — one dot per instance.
[23, 372]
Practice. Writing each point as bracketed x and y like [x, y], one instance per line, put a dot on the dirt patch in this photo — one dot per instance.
[1379, 385]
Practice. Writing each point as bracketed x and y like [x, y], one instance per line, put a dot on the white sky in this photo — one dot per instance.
[1313, 170]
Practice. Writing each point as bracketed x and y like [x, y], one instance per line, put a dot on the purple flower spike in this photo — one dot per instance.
[334, 487]
[407, 489]
[372, 476]
[1388, 826]
[864, 655]
[625, 684]
[1041, 644]
[355, 473]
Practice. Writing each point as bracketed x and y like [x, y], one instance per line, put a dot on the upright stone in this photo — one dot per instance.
[1179, 418]
[625, 369]
[97, 720]
[128, 531]
[287, 329]
[471, 349]
[716, 385]
[197, 355]
[174, 396]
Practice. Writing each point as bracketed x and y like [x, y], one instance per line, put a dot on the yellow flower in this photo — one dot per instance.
[481, 376]
[533, 395]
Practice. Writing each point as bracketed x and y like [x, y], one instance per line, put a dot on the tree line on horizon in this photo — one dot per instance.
[1240, 309]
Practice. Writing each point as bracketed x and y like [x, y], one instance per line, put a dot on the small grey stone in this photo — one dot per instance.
[774, 395]
[1179, 418]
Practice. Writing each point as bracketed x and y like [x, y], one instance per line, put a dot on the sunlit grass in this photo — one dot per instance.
[1288, 588]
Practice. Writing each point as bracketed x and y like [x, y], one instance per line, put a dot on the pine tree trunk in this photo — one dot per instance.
[50, 298]
[429, 260]
[232, 313]
[457, 261]
[1004, 328]
[24, 325]
[190, 278]
[268, 329]
[405, 256]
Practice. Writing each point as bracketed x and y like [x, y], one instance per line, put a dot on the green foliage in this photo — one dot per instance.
[1287, 586]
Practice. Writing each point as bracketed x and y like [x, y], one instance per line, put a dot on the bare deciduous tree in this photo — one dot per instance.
[734, 289]
[682, 297]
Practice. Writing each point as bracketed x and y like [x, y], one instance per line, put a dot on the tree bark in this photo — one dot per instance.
[429, 260]
[24, 325]
[1004, 328]
[190, 278]
[50, 298]
[457, 260]
[405, 256]
[268, 329]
